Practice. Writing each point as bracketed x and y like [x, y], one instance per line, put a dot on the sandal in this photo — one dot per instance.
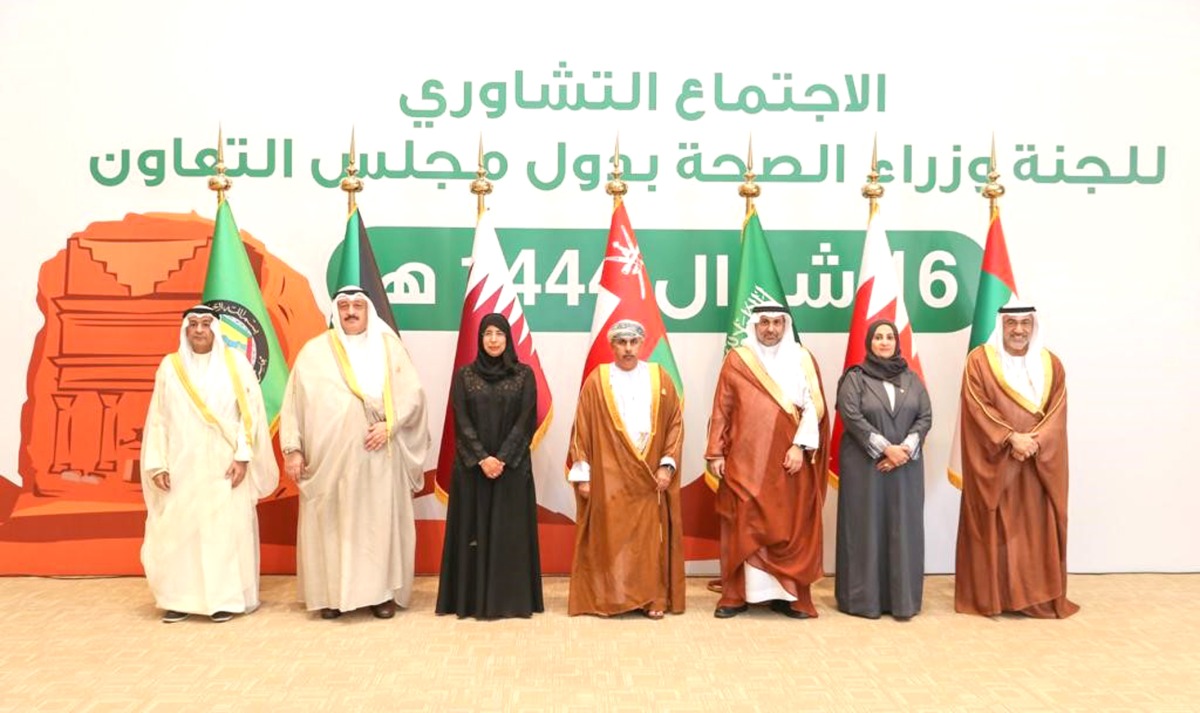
[654, 614]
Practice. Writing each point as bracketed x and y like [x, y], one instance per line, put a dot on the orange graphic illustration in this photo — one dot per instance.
[112, 301]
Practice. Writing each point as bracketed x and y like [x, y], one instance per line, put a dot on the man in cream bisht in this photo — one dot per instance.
[767, 442]
[206, 460]
[354, 435]
[1012, 526]
[625, 448]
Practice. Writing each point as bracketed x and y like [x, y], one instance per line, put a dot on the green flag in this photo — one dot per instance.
[757, 281]
[231, 289]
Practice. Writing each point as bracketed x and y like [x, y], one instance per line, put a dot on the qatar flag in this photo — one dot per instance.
[490, 289]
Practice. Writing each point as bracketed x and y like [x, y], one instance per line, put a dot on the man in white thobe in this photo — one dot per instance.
[354, 433]
[206, 460]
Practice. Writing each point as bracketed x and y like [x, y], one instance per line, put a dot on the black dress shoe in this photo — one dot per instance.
[384, 610]
[730, 612]
[221, 617]
[171, 616]
[328, 613]
[785, 608]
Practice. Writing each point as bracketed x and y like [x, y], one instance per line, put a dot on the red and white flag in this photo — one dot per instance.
[878, 297]
[627, 292]
[490, 289]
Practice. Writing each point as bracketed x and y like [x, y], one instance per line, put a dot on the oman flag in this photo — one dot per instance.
[627, 292]
[996, 287]
[878, 297]
[490, 289]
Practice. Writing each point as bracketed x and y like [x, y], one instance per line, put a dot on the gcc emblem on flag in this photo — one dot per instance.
[242, 331]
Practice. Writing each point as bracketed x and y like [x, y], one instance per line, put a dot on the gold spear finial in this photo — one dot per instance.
[749, 190]
[872, 190]
[219, 182]
[616, 187]
[481, 186]
[352, 184]
[992, 189]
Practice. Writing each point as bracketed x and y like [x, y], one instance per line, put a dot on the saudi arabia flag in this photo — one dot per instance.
[757, 280]
[757, 283]
[231, 289]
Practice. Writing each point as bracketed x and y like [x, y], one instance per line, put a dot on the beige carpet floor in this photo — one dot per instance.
[97, 645]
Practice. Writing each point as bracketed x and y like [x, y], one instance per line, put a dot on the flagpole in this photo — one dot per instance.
[220, 182]
[749, 190]
[352, 184]
[481, 186]
[992, 190]
[616, 187]
[872, 190]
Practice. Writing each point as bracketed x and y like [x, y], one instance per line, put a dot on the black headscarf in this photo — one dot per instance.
[495, 368]
[884, 369]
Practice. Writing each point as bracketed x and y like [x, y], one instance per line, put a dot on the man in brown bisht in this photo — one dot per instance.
[767, 442]
[1012, 527]
[625, 449]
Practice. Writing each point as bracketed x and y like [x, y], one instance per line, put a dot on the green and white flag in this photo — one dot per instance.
[757, 281]
[231, 289]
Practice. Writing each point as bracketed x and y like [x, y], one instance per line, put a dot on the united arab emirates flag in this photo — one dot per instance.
[996, 288]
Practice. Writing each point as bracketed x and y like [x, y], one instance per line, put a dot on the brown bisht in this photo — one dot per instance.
[628, 536]
[769, 519]
[1012, 527]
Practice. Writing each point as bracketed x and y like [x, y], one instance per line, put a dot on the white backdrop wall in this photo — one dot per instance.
[1112, 272]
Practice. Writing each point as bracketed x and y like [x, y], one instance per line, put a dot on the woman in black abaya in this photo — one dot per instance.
[490, 565]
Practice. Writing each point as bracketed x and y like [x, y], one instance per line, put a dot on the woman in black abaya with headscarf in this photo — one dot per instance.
[490, 565]
[881, 482]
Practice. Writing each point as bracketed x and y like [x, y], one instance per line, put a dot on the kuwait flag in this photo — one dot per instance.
[627, 292]
[490, 289]
[231, 289]
[878, 297]
[358, 267]
[996, 288]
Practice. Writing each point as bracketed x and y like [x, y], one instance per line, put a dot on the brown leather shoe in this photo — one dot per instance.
[384, 610]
